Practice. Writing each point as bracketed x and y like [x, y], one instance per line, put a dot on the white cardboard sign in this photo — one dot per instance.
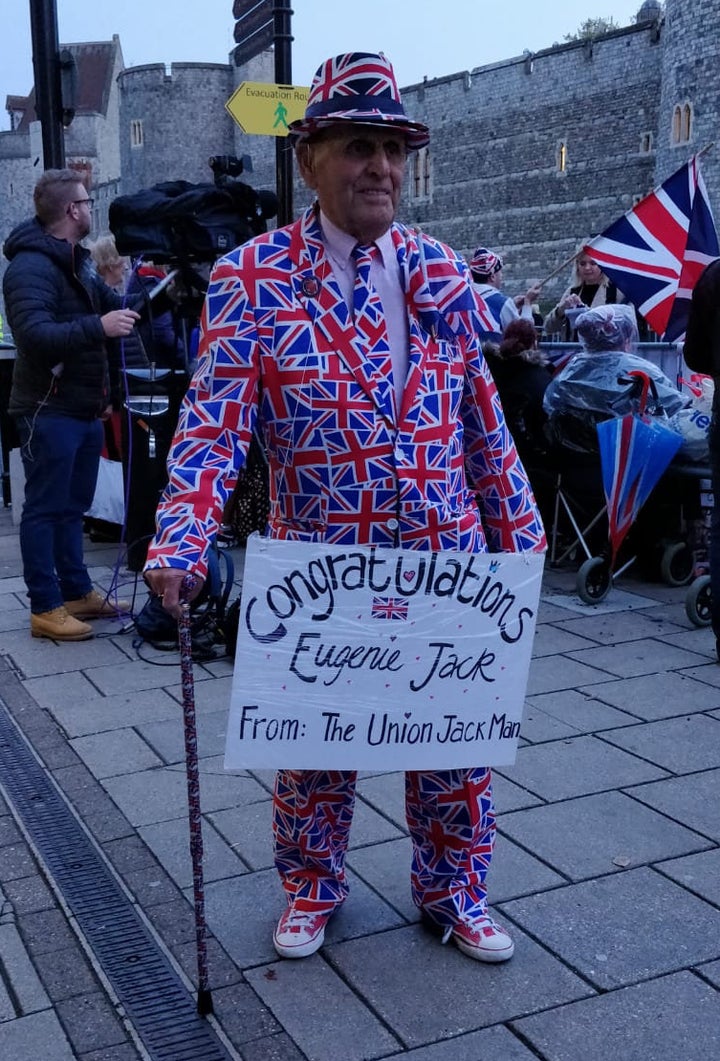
[380, 659]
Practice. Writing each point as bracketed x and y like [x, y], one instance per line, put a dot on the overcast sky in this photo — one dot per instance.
[421, 37]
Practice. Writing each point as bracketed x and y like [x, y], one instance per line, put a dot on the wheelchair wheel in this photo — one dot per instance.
[698, 602]
[594, 580]
[676, 564]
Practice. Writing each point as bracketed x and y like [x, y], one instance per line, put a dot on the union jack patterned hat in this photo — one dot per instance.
[357, 87]
[485, 262]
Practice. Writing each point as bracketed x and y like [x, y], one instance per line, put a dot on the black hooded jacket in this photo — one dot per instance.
[53, 301]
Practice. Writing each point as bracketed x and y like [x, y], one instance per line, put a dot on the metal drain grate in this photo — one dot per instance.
[156, 1001]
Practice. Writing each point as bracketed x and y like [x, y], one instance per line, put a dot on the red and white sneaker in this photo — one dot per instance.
[300, 933]
[483, 940]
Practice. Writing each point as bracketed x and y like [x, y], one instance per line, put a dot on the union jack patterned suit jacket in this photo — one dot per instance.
[278, 346]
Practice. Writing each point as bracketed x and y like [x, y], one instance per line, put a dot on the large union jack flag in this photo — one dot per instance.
[656, 252]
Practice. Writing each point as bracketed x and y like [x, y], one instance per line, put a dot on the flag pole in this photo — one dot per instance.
[562, 265]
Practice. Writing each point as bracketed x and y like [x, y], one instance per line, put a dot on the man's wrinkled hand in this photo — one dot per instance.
[166, 583]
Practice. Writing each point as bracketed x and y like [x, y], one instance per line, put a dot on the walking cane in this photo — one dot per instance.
[204, 998]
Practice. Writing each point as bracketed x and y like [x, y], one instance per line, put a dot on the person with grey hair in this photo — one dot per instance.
[62, 316]
[353, 343]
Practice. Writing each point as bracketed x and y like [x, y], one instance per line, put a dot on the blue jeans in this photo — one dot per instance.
[61, 457]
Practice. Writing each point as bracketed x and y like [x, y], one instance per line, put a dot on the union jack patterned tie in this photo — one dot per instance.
[368, 313]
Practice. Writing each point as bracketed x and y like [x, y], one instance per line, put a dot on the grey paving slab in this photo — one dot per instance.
[13, 583]
[598, 834]
[133, 676]
[576, 767]
[708, 673]
[386, 869]
[168, 737]
[491, 1044]
[91, 1022]
[7, 1008]
[38, 1036]
[711, 972]
[552, 716]
[680, 745]
[81, 710]
[549, 612]
[40, 656]
[28, 894]
[16, 862]
[385, 792]
[356, 1036]
[65, 972]
[19, 972]
[441, 993]
[551, 639]
[700, 873]
[210, 695]
[692, 800]
[13, 616]
[370, 827]
[515, 872]
[113, 752]
[701, 641]
[155, 795]
[619, 627]
[272, 1048]
[562, 592]
[646, 1022]
[618, 930]
[248, 830]
[48, 692]
[170, 842]
[645, 656]
[242, 1014]
[654, 696]
[550, 674]
[509, 796]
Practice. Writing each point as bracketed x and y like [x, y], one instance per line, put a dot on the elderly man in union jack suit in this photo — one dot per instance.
[353, 343]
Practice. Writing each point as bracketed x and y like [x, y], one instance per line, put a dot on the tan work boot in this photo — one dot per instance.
[59, 626]
[94, 606]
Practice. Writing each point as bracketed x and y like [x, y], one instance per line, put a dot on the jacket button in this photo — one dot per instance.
[392, 524]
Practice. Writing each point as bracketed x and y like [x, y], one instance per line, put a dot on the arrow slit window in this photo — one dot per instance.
[136, 133]
[421, 177]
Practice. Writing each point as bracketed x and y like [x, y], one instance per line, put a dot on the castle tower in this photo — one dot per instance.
[172, 122]
[689, 115]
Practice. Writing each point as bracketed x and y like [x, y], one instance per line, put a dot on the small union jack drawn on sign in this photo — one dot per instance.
[389, 608]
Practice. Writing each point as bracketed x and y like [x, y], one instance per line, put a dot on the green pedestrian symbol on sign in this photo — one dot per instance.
[280, 115]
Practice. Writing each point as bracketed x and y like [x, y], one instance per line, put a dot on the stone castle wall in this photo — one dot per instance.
[496, 135]
[184, 122]
[495, 139]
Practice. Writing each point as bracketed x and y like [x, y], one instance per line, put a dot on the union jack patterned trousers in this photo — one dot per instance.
[450, 817]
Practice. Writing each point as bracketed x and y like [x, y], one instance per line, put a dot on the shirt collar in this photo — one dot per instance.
[340, 244]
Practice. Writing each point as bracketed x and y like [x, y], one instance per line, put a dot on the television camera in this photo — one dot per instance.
[188, 226]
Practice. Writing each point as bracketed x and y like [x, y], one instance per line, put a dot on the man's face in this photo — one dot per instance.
[79, 210]
[357, 174]
[496, 279]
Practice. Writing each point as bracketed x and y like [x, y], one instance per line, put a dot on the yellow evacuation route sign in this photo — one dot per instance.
[267, 110]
